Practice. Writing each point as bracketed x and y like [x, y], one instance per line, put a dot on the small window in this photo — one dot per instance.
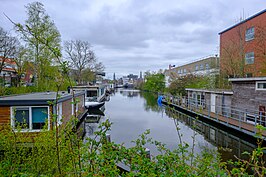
[39, 116]
[185, 70]
[181, 71]
[196, 67]
[250, 34]
[207, 66]
[249, 75]
[29, 118]
[249, 58]
[21, 118]
[201, 67]
[261, 86]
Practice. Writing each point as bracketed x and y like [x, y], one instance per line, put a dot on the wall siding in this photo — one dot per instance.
[4, 115]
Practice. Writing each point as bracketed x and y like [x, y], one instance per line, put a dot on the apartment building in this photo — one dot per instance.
[243, 48]
[205, 66]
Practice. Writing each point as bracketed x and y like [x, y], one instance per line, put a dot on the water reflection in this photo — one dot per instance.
[132, 112]
[228, 144]
[150, 102]
[129, 93]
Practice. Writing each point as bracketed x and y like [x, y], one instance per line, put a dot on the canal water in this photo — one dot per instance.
[133, 112]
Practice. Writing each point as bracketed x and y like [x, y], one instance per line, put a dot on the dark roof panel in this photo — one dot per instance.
[35, 98]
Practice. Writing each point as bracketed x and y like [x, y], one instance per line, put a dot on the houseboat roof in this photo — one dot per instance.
[217, 91]
[247, 79]
[38, 98]
[243, 21]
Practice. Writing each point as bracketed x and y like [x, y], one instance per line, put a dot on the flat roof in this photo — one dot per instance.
[249, 18]
[37, 98]
[218, 91]
[247, 79]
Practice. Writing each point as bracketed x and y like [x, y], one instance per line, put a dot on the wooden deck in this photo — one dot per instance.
[240, 125]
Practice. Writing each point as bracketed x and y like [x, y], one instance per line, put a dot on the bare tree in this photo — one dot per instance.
[233, 55]
[22, 63]
[8, 47]
[81, 56]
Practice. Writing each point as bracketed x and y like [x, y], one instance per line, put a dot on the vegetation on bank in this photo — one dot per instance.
[155, 82]
[60, 152]
[36, 54]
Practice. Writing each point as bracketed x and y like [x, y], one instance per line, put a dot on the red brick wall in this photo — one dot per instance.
[233, 47]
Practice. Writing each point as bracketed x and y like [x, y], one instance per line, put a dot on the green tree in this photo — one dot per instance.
[39, 32]
[154, 82]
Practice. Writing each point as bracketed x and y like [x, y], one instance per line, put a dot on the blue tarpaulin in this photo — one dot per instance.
[159, 100]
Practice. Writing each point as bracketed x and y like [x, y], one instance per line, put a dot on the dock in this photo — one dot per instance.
[235, 122]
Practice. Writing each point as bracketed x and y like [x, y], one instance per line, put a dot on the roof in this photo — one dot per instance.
[247, 79]
[38, 98]
[244, 21]
[217, 91]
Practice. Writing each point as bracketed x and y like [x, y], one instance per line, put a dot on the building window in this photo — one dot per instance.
[181, 71]
[249, 58]
[261, 86]
[249, 75]
[29, 118]
[196, 67]
[201, 67]
[185, 70]
[250, 34]
[207, 66]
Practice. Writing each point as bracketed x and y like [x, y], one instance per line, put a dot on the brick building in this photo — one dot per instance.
[243, 48]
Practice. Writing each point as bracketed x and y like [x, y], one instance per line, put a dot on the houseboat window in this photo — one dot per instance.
[91, 93]
[261, 86]
[21, 118]
[32, 118]
[250, 34]
[39, 116]
[249, 58]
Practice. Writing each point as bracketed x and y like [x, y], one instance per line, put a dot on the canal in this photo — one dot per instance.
[133, 112]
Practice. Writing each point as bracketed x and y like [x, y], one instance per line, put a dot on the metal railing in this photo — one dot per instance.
[241, 119]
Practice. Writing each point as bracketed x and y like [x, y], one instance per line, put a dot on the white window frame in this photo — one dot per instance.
[249, 58]
[250, 34]
[59, 113]
[30, 118]
[260, 82]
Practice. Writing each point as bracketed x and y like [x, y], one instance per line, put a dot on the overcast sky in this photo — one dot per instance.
[130, 36]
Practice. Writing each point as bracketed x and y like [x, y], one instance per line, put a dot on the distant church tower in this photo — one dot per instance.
[140, 75]
[114, 77]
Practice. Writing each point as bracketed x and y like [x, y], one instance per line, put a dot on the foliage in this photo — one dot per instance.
[178, 86]
[40, 34]
[96, 157]
[154, 82]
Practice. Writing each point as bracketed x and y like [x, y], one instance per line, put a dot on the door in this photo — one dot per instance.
[213, 100]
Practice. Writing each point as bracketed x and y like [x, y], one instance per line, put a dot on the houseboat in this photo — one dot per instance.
[94, 95]
[30, 112]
